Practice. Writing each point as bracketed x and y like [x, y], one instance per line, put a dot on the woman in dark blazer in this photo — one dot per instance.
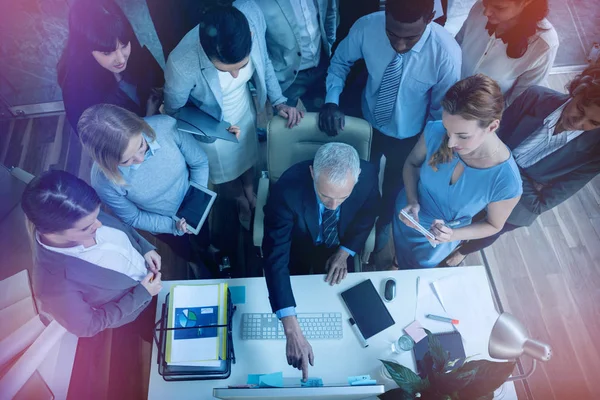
[555, 139]
[103, 62]
[91, 272]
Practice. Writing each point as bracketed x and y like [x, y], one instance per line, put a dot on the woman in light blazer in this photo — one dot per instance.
[212, 71]
[91, 272]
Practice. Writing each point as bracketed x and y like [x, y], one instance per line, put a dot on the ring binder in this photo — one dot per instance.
[188, 373]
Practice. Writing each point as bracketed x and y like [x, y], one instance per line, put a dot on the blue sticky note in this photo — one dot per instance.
[238, 294]
[353, 379]
[364, 382]
[253, 379]
[271, 380]
[313, 382]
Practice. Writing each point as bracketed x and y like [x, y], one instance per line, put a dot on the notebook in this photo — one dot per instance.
[450, 341]
[195, 121]
[367, 309]
[196, 308]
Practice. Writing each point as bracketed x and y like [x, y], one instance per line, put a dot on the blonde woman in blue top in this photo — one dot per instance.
[458, 168]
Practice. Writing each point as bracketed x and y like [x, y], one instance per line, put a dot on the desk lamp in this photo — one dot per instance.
[509, 339]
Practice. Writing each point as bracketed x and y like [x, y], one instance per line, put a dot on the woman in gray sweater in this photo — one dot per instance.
[142, 170]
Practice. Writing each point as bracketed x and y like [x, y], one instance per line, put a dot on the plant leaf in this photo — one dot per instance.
[406, 379]
[489, 376]
[396, 394]
[439, 355]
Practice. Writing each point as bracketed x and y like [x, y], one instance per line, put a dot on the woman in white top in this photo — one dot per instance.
[91, 272]
[212, 67]
[511, 41]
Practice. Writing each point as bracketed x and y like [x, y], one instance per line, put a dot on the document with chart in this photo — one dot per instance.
[193, 310]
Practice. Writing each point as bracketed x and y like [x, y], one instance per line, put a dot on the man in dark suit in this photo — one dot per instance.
[555, 139]
[318, 216]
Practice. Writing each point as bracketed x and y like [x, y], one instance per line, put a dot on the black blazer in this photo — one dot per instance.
[79, 96]
[563, 172]
[86, 298]
[292, 224]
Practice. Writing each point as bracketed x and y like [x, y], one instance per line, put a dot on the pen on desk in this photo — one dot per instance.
[442, 319]
[361, 338]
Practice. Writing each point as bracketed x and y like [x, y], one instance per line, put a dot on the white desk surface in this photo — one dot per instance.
[335, 360]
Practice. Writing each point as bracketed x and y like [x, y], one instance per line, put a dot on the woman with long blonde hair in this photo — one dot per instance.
[458, 168]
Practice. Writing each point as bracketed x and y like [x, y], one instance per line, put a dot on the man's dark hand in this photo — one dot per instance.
[336, 267]
[298, 351]
[331, 119]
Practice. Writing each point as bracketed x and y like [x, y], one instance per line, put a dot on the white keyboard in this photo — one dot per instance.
[256, 326]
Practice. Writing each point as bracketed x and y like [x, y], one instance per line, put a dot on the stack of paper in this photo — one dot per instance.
[196, 308]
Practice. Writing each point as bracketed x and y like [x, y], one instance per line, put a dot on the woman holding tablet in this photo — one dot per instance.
[142, 170]
[92, 272]
[457, 168]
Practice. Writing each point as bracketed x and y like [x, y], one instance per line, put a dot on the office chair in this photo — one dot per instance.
[286, 147]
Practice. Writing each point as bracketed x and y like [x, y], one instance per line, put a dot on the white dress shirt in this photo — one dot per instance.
[543, 142]
[307, 17]
[482, 53]
[112, 250]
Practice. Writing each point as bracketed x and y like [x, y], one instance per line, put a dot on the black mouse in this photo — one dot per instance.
[389, 291]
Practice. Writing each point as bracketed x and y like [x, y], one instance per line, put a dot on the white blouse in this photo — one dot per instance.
[112, 250]
[482, 53]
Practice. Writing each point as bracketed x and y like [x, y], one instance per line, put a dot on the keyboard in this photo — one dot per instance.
[257, 326]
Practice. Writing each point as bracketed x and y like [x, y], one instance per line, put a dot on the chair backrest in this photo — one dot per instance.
[286, 147]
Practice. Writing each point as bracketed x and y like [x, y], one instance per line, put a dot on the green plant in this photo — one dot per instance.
[474, 380]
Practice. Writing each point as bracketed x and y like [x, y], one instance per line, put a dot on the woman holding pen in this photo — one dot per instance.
[458, 167]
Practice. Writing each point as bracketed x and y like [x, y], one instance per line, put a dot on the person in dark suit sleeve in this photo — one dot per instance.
[318, 216]
[555, 139]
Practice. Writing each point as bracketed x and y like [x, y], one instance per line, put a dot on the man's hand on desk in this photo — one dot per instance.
[298, 351]
[336, 267]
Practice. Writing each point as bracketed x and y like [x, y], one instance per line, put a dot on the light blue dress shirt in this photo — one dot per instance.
[286, 312]
[431, 67]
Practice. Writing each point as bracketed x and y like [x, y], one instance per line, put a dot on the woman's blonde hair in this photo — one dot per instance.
[105, 131]
[476, 98]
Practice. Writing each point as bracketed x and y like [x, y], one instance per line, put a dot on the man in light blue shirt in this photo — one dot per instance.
[411, 64]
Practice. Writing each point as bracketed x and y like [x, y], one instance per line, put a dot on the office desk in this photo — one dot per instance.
[335, 360]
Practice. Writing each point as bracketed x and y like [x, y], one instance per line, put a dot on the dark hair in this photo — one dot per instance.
[96, 25]
[587, 84]
[517, 38]
[409, 10]
[56, 200]
[225, 35]
[476, 98]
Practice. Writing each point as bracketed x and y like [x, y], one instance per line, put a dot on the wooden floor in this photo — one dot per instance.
[548, 275]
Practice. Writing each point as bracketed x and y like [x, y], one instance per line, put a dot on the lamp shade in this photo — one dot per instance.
[509, 339]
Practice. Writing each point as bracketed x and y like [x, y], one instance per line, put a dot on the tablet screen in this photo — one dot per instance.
[194, 206]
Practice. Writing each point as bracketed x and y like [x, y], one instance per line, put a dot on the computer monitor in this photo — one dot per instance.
[301, 393]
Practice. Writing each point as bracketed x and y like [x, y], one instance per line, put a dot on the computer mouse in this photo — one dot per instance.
[389, 291]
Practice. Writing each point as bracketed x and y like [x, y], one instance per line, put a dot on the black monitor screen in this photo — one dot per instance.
[193, 206]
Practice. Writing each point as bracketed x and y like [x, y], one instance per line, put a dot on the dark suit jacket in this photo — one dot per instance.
[563, 172]
[292, 224]
[86, 298]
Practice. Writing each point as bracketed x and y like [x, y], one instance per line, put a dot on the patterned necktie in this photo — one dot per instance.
[330, 229]
[388, 91]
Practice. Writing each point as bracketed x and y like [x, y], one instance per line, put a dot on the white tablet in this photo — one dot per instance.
[195, 207]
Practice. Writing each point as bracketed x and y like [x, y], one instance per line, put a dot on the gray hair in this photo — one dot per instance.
[335, 160]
